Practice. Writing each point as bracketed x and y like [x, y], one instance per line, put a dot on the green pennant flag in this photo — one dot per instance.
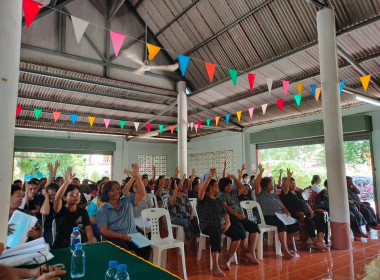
[297, 98]
[37, 112]
[233, 74]
[161, 127]
[176, 129]
[122, 123]
[208, 122]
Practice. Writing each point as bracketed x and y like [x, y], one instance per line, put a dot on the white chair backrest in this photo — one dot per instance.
[88, 197]
[154, 215]
[193, 202]
[165, 202]
[153, 198]
[249, 205]
[54, 230]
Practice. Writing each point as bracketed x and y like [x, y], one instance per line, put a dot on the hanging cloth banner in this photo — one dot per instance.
[208, 122]
[210, 67]
[341, 86]
[314, 90]
[153, 51]
[365, 81]
[56, 116]
[148, 126]
[37, 112]
[228, 118]
[136, 125]
[264, 108]
[107, 122]
[285, 85]
[18, 110]
[80, 27]
[269, 84]
[233, 75]
[73, 118]
[318, 93]
[251, 80]
[172, 129]
[199, 125]
[122, 123]
[250, 110]
[280, 104]
[31, 10]
[238, 114]
[183, 63]
[300, 87]
[217, 120]
[117, 41]
[297, 98]
[161, 128]
[191, 126]
[91, 120]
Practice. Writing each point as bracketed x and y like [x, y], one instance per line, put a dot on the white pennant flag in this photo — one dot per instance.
[264, 108]
[80, 27]
[136, 125]
[191, 125]
[269, 83]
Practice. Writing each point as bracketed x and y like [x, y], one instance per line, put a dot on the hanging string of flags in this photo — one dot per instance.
[32, 8]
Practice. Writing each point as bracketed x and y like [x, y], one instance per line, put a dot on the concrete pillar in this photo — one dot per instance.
[182, 127]
[10, 34]
[333, 130]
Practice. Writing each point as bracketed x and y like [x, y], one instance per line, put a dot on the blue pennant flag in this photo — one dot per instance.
[228, 118]
[341, 86]
[183, 63]
[73, 118]
[314, 90]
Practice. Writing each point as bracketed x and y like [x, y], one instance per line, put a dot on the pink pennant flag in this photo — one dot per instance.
[56, 116]
[250, 110]
[18, 110]
[196, 129]
[148, 126]
[251, 79]
[280, 104]
[31, 9]
[106, 122]
[285, 85]
[199, 125]
[117, 41]
[172, 129]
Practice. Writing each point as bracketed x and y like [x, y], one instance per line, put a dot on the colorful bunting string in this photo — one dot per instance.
[56, 116]
[136, 124]
[91, 120]
[18, 110]
[251, 80]
[365, 81]
[31, 10]
[269, 84]
[264, 108]
[341, 86]
[122, 124]
[238, 114]
[250, 110]
[199, 125]
[210, 67]
[80, 27]
[233, 75]
[299, 87]
[153, 51]
[280, 104]
[148, 126]
[107, 122]
[318, 93]
[37, 112]
[228, 118]
[297, 98]
[73, 118]
[172, 129]
[183, 63]
[208, 122]
[117, 41]
[161, 128]
[313, 90]
[285, 85]
[217, 120]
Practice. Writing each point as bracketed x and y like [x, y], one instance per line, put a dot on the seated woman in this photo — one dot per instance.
[181, 213]
[238, 220]
[70, 215]
[115, 218]
[161, 190]
[271, 204]
[92, 210]
[294, 202]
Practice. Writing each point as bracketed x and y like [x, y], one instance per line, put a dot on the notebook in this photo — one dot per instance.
[139, 240]
[22, 223]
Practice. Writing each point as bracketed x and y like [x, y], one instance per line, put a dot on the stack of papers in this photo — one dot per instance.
[22, 223]
[287, 220]
[139, 240]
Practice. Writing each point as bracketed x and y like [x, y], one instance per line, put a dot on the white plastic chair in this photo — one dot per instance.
[249, 205]
[153, 198]
[193, 202]
[53, 230]
[160, 245]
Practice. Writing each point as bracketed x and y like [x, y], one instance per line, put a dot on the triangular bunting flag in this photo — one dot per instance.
[73, 118]
[199, 125]
[153, 51]
[176, 129]
[191, 126]
[56, 116]
[318, 93]
[250, 110]
[217, 120]
[269, 84]
[228, 118]
[341, 86]
[31, 10]
[80, 27]
[300, 87]
[107, 122]
[196, 129]
[122, 124]
[91, 120]
[208, 122]
[264, 108]
[148, 126]
[172, 129]
[136, 125]
[161, 128]
[313, 90]
[280, 104]
[251, 80]
[117, 41]
[18, 110]
[37, 112]
[297, 98]
[210, 67]
[285, 85]
[233, 74]
[365, 81]
[183, 63]
[238, 114]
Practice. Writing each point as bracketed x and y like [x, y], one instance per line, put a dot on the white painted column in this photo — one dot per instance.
[10, 34]
[182, 127]
[333, 130]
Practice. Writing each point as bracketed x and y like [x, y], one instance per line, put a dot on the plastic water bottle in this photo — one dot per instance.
[78, 262]
[122, 273]
[112, 270]
[74, 238]
[223, 221]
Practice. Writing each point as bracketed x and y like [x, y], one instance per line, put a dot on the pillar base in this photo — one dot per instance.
[341, 237]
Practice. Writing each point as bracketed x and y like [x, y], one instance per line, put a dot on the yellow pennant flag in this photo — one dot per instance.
[300, 87]
[217, 120]
[91, 120]
[153, 51]
[365, 81]
[318, 93]
[238, 114]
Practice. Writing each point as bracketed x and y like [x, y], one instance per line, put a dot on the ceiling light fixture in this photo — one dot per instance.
[368, 100]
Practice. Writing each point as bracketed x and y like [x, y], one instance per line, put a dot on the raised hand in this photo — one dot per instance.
[154, 168]
[175, 191]
[212, 172]
[290, 174]
[184, 176]
[261, 168]
[281, 171]
[127, 172]
[243, 167]
[193, 173]
[135, 170]
[50, 167]
[57, 164]
[176, 172]
[69, 176]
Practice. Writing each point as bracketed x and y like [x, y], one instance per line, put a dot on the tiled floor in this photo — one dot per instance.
[335, 264]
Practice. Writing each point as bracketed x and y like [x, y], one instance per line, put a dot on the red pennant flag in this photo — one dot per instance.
[251, 79]
[148, 126]
[199, 125]
[18, 110]
[210, 70]
[172, 129]
[280, 104]
[56, 116]
[31, 10]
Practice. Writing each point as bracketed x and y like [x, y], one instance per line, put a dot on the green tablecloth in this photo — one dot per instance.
[99, 254]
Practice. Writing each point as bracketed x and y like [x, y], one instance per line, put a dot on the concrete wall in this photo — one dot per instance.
[376, 152]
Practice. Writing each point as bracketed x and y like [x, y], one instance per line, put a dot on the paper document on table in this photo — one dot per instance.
[287, 220]
[22, 223]
[139, 240]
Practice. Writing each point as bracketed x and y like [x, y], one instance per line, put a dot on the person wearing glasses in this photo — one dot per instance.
[69, 215]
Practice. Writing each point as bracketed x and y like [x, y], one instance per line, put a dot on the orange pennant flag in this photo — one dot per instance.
[153, 51]
[365, 81]
[56, 116]
[238, 114]
[210, 70]
[217, 120]
[91, 120]
[318, 93]
[300, 87]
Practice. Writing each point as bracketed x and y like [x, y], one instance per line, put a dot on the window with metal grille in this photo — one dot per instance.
[146, 163]
[204, 161]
